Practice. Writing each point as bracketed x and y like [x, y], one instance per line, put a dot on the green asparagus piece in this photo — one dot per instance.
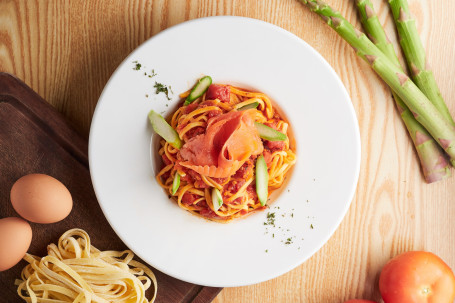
[162, 128]
[268, 133]
[422, 109]
[432, 159]
[415, 56]
[262, 180]
[176, 183]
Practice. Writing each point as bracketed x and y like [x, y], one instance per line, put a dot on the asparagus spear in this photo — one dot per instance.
[432, 159]
[422, 109]
[415, 56]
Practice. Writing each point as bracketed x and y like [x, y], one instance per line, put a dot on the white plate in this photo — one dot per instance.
[253, 54]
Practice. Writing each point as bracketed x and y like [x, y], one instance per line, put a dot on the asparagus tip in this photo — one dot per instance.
[372, 38]
[369, 11]
[439, 170]
[400, 109]
[414, 69]
[325, 18]
[436, 176]
[421, 138]
[445, 143]
[370, 58]
[402, 78]
[336, 21]
[403, 16]
[442, 162]
[311, 5]
[358, 32]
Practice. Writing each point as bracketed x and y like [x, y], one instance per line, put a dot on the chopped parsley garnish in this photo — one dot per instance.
[270, 219]
[311, 226]
[283, 233]
[161, 88]
[153, 74]
[137, 66]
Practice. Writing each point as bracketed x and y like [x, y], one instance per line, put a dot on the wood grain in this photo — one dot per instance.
[37, 139]
[66, 51]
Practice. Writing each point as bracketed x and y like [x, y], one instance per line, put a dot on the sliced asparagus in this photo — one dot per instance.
[217, 200]
[199, 89]
[423, 110]
[176, 183]
[429, 152]
[415, 56]
[248, 106]
[163, 129]
[262, 180]
[269, 133]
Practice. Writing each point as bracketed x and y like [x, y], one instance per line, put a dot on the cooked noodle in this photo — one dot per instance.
[238, 190]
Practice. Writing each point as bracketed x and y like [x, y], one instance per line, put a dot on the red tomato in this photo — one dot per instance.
[220, 92]
[417, 277]
[359, 301]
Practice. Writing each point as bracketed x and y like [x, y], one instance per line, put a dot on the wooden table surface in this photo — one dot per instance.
[66, 51]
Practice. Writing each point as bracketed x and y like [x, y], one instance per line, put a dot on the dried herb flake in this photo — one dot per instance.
[161, 88]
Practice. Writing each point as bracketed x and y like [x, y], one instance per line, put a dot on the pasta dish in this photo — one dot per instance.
[230, 141]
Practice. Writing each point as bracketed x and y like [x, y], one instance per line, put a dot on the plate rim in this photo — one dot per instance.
[345, 96]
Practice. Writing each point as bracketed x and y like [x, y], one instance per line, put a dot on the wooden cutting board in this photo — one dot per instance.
[35, 138]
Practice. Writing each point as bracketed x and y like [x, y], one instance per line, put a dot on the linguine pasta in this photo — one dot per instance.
[237, 190]
[75, 271]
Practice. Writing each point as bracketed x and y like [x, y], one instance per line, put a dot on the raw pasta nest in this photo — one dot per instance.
[75, 271]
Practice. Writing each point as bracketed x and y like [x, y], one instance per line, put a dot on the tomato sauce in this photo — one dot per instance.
[220, 92]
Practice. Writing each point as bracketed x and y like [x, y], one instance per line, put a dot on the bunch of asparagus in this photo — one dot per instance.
[419, 101]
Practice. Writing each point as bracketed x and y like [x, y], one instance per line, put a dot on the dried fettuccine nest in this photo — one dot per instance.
[76, 271]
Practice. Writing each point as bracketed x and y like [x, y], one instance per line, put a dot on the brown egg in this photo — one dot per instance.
[15, 239]
[41, 199]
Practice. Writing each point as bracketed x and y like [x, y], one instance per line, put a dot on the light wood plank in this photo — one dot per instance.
[67, 50]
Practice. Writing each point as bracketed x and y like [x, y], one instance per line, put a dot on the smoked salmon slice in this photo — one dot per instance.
[230, 139]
